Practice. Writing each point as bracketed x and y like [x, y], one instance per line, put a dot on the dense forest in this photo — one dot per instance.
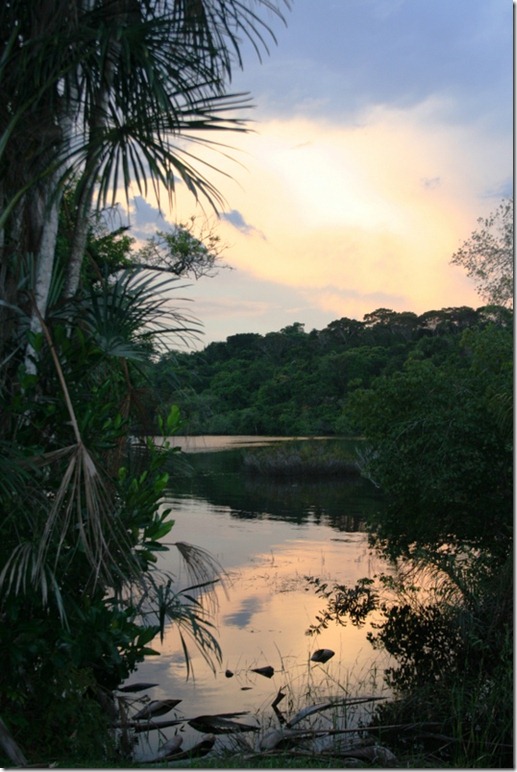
[294, 382]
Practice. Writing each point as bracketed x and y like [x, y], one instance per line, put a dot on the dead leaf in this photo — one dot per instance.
[219, 725]
[201, 748]
[272, 739]
[267, 671]
[331, 703]
[137, 687]
[155, 708]
[322, 655]
[147, 726]
[171, 746]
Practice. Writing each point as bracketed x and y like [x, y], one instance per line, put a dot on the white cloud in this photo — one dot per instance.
[382, 134]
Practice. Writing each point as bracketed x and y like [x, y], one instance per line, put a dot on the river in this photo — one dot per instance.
[268, 536]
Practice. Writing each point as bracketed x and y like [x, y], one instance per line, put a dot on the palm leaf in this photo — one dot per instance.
[82, 515]
[23, 569]
[159, 600]
[167, 68]
[123, 313]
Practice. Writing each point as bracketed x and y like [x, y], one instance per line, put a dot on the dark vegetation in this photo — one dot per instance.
[439, 445]
[93, 99]
[298, 383]
[301, 461]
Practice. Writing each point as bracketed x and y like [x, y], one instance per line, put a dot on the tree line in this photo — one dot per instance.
[294, 382]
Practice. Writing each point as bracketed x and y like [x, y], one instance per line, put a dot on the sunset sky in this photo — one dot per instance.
[382, 129]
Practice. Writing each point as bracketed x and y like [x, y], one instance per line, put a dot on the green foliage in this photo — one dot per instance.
[93, 97]
[82, 524]
[296, 383]
[439, 444]
[180, 252]
[300, 460]
[444, 416]
[488, 255]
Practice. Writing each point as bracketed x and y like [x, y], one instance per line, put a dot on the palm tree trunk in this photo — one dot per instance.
[78, 247]
[46, 211]
[97, 124]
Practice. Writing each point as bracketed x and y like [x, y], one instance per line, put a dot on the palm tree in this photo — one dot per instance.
[95, 95]
[106, 91]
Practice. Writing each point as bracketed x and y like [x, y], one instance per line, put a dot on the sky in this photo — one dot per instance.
[381, 131]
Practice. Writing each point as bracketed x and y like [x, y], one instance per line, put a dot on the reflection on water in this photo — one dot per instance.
[268, 537]
[210, 443]
[219, 478]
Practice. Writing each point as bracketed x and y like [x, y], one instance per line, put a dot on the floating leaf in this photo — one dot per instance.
[137, 687]
[170, 747]
[322, 655]
[156, 708]
[266, 671]
[219, 725]
[200, 749]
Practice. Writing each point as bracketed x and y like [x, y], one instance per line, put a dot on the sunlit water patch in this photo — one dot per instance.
[266, 606]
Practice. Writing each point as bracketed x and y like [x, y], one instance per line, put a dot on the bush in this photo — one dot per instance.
[305, 460]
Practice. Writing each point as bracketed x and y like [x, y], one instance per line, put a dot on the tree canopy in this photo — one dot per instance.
[488, 255]
[295, 382]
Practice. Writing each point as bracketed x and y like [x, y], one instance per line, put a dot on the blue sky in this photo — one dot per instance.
[382, 129]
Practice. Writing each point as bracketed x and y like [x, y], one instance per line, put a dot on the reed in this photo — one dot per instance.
[301, 460]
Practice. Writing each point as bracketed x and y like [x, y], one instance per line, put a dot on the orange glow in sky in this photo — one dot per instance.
[364, 170]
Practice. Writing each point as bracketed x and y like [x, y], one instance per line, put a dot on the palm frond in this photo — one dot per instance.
[168, 64]
[23, 571]
[126, 311]
[83, 511]
[200, 565]
[190, 618]
[81, 519]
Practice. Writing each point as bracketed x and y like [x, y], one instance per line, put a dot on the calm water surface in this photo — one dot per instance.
[268, 536]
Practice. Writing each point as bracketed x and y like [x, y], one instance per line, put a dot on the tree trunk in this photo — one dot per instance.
[78, 247]
[97, 123]
[48, 214]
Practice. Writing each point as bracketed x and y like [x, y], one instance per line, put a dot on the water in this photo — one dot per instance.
[268, 536]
